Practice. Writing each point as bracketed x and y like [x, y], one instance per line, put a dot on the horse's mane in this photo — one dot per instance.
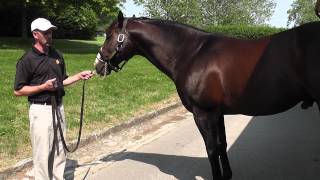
[170, 23]
[176, 25]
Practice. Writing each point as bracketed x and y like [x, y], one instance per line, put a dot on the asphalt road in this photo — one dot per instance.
[177, 154]
[285, 146]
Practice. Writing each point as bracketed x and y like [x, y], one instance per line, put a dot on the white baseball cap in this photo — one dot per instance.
[41, 24]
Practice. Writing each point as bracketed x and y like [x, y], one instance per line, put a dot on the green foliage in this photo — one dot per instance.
[76, 23]
[301, 12]
[202, 13]
[245, 32]
[184, 11]
[71, 16]
[106, 10]
[226, 12]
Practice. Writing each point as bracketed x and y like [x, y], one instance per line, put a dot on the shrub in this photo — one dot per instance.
[244, 31]
[76, 23]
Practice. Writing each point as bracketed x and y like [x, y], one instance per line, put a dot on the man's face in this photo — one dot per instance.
[43, 37]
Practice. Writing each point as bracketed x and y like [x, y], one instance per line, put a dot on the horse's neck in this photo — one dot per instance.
[163, 49]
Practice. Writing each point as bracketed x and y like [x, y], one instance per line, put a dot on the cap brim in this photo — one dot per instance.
[46, 29]
[52, 27]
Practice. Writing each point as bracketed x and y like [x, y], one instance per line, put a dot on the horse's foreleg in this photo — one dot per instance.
[214, 138]
[222, 145]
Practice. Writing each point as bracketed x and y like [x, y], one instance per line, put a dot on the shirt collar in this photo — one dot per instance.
[35, 50]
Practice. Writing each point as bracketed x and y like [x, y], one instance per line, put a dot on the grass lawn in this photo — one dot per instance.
[108, 101]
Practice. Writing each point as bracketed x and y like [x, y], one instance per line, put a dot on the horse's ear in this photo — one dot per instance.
[120, 19]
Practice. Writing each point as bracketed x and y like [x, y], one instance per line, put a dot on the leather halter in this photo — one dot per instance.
[120, 39]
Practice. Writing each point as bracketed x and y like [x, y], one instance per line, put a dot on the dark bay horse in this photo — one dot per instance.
[216, 75]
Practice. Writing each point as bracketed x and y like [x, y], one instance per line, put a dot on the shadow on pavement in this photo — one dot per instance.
[283, 146]
[69, 171]
[181, 167]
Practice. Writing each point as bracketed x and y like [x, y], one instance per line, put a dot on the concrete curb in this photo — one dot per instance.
[96, 136]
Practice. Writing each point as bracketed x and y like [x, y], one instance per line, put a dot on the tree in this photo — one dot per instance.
[184, 11]
[76, 17]
[207, 12]
[225, 12]
[106, 10]
[301, 12]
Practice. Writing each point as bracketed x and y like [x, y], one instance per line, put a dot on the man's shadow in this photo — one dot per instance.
[70, 169]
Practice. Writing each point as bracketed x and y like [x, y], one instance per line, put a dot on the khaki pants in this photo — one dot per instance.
[46, 161]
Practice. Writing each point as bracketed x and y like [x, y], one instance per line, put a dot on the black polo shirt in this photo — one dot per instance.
[35, 68]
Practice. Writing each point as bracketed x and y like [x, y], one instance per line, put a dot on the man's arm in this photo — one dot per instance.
[82, 75]
[30, 90]
[48, 85]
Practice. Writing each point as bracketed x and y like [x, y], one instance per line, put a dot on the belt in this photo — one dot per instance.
[44, 103]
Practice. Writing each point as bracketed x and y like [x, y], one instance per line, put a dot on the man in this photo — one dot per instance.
[40, 74]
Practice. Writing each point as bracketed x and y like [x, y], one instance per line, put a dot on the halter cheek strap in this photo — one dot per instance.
[120, 40]
[107, 62]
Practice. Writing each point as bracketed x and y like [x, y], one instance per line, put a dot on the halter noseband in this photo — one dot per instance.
[107, 61]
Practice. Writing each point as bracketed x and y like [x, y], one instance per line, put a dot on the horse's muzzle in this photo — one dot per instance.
[101, 68]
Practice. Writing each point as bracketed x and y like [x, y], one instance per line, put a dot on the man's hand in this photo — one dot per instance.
[48, 85]
[85, 75]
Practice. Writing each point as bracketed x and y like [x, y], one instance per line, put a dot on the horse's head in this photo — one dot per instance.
[117, 48]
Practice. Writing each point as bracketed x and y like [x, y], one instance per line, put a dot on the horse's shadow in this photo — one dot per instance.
[181, 167]
[283, 146]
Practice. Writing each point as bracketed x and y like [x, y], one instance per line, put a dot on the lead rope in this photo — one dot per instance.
[56, 111]
[55, 136]
[105, 70]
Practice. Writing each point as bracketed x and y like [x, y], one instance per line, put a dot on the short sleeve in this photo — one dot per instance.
[22, 77]
[64, 71]
[64, 75]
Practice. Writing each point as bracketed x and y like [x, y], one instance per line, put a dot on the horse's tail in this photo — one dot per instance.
[317, 8]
